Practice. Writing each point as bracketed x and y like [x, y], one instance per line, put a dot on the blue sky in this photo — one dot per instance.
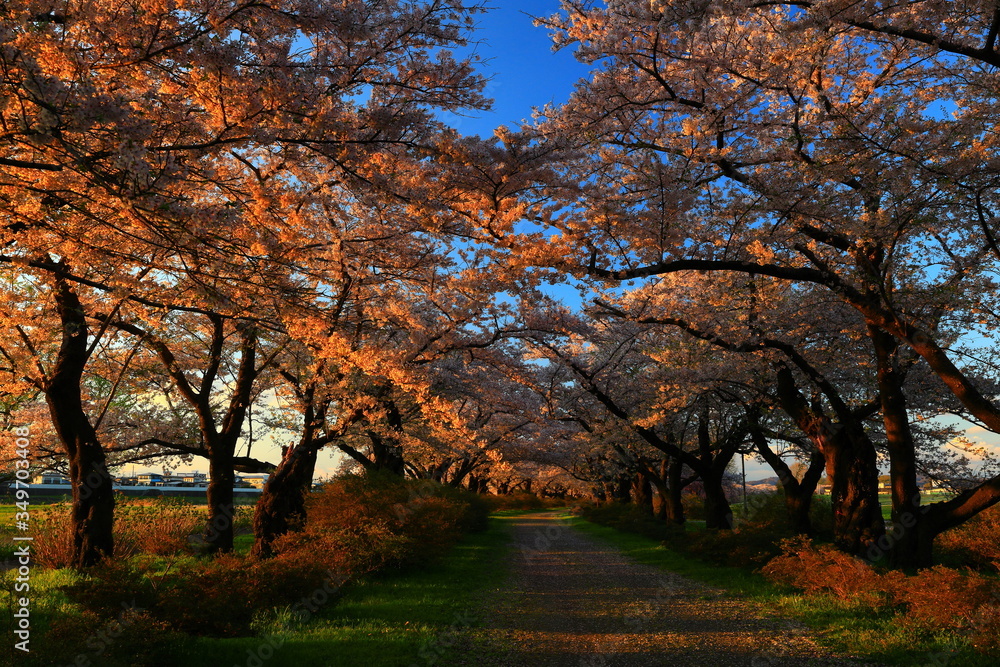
[524, 71]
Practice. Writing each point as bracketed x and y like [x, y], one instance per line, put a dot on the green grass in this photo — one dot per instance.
[926, 498]
[8, 530]
[415, 616]
[242, 544]
[394, 618]
[841, 626]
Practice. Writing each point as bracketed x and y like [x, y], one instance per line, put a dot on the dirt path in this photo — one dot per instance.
[573, 601]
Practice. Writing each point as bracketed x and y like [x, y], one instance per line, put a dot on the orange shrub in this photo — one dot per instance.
[53, 543]
[160, 527]
[142, 526]
[823, 568]
[941, 598]
[218, 596]
[975, 543]
[362, 523]
[935, 599]
[985, 625]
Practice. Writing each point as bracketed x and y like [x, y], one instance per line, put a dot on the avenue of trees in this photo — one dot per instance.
[223, 218]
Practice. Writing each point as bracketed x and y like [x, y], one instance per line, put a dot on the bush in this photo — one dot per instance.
[476, 513]
[694, 506]
[752, 545]
[361, 523]
[131, 639]
[355, 525]
[976, 543]
[159, 526]
[823, 568]
[217, 597]
[935, 599]
[629, 518]
[746, 547]
[53, 543]
[767, 511]
[759, 532]
[941, 598]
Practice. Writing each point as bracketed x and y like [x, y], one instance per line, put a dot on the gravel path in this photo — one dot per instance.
[573, 601]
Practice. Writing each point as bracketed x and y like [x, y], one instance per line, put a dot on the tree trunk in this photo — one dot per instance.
[221, 510]
[386, 455]
[282, 505]
[92, 516]
[851, 465]
[641, 494]
[662, 493]
[798, 494]
[908, 541]
[620, 489]
[675, 484]
[718, 513]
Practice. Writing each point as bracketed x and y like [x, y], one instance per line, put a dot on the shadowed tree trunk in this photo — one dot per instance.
[903, 543]
[219, 532]
[92, 514]
[620, 488]
[798, 494]
[669, 485]
[221, 443]
[642, 494]
[386, 450]
[909, 543]
[718, 513]
[851, 465]
[675, 485]
[714, 462]
[282, 505]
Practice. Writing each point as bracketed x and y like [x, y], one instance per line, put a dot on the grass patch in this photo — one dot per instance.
[842, 626]
[242, 544]
[393, 618]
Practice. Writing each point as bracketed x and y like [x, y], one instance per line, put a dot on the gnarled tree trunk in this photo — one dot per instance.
[282, 505]
[798, 494]
[92, 516]
[851, 465]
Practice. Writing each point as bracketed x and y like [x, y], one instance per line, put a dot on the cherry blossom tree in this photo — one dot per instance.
[842, 145]
[152, 136]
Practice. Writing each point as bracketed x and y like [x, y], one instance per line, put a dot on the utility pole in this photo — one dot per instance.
[743, 465]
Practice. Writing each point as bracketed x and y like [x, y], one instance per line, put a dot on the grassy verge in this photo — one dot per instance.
[394, 618]
[841, 626]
